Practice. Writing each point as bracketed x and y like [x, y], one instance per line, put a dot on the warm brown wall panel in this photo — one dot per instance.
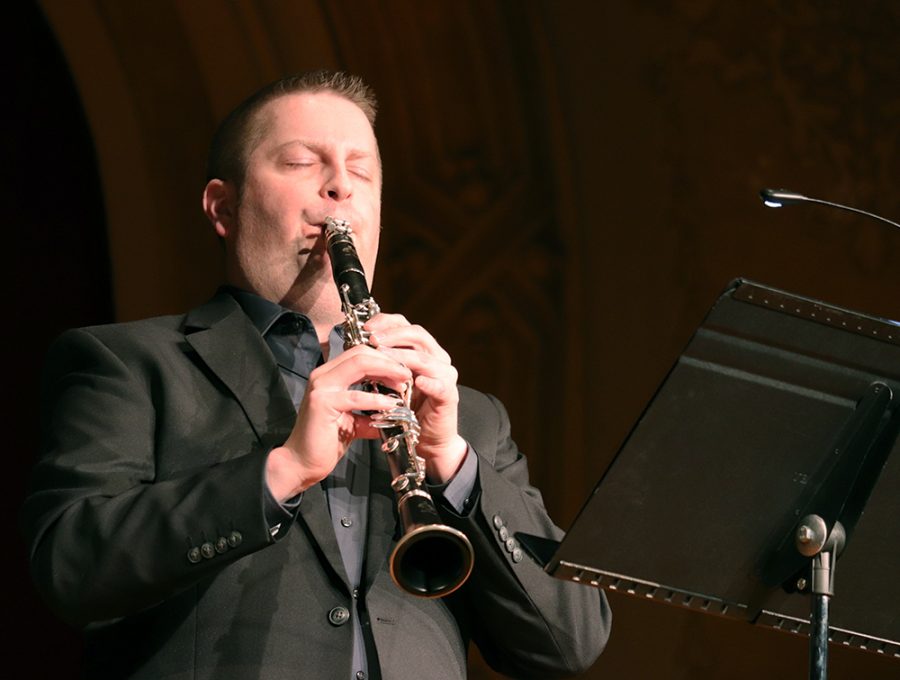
[568, 187]
[678, 117]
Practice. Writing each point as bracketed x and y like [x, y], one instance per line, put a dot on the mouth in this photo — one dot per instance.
[314, 244]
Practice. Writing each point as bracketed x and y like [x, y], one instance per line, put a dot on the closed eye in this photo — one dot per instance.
[362, 173]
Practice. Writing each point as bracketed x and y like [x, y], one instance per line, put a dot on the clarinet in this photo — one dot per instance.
[430, 559]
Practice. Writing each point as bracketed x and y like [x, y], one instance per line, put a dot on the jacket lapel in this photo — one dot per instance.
[314, 514]
[232, 348]
[228, 343]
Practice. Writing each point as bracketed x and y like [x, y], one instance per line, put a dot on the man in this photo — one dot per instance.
[210, 501]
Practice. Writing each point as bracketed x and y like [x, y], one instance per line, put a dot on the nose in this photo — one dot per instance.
[337, 184]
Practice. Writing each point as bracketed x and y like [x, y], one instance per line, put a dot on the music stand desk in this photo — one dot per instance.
[701, 504]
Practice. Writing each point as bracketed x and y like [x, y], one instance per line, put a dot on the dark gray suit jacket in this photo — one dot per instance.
[155, 435]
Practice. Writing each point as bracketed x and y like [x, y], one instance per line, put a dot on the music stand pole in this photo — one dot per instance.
[812, 540]
[818, 639]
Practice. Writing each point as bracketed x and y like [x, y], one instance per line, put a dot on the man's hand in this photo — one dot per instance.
[326, 423]
[435, 395]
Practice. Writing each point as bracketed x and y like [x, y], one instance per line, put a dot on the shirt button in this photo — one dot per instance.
[355, 593]
[346, 521]
[338, 616]
[360, 675]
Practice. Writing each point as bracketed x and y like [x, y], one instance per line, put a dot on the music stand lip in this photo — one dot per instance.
[701, 602]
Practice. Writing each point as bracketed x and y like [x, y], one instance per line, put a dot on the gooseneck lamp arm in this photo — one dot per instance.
[777, 198]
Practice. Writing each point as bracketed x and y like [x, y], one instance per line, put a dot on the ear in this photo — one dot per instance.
[220, 206]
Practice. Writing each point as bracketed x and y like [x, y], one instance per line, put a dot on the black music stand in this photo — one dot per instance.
[765, 451]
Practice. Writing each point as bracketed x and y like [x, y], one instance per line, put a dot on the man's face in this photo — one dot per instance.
[317, 157]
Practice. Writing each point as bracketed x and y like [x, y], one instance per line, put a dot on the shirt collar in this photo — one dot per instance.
[264, 313]
[261, 312]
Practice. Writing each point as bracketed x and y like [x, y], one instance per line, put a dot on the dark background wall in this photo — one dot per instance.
[569, 186]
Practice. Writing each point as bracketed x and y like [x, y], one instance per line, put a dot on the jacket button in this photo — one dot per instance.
[503, 533]
[498, 521]
[221, 544]
[234, 539]
[194, 555]
[338, 616]
[511, 544]
[207, 550]
[517, 555]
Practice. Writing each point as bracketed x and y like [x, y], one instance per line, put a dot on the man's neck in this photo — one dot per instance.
[323, 324]
[324, 313]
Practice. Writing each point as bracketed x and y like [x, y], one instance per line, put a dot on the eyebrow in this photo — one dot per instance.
[354, 153]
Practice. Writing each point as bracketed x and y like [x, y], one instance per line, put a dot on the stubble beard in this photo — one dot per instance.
[313, 291]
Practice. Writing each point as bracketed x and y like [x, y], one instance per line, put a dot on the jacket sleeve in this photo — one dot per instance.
[526, 623]
[110, 533]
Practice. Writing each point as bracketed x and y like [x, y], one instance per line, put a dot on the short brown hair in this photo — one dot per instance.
[241, 128]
